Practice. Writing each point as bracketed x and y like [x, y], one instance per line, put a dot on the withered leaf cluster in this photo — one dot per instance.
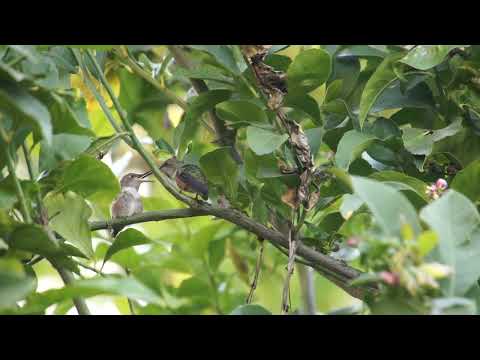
[273, 82]
[274, 85]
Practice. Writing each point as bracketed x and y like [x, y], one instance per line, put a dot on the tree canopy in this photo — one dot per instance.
[342, 179]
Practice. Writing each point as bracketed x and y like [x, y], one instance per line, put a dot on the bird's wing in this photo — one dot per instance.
[196, 185]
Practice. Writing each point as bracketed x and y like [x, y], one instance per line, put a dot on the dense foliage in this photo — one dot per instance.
[358, 161]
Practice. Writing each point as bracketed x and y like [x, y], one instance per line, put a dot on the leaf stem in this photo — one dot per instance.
[95, 93]
[11, 169]
[170, 95]
[135, 143]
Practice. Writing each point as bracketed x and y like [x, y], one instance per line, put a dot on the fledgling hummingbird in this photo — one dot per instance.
[189, 177]
[128, 202]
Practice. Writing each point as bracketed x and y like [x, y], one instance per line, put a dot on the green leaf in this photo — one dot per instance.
[250, 310]
[202, 238]
[241, 111]
[334, 90]
[129, 287]
[392, 305]
[219, 167]
[204, 72]
[417, 141]
[309, 70]
[62, 147]
[261, 167]
[264, 142]
[197, 106]
[163, 146]
[33, 238]
[205, 101]
[8, 195]
[15, 284]
[427, 242]
[67, 117]
[420, 141]
[383, 77]
[361, 51]
[19, 103]
[456, 221]
[71, 220]
[223, 54]
[466, 181]
[277, 48]
[447, 131]
[453, 306]
[393, 97]
[347, 69]
[216, 253]
[351, 146]
[306, 103]
[413, 184]
[127, 238]
[424, 57]
[26, 50]
[315, 137]
[390, 208]
[87, 176]
[93, 47]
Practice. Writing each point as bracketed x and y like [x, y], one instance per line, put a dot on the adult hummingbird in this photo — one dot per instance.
[128, 202]
[189, 177]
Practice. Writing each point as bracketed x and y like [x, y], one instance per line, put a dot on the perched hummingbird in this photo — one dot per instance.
[189, 177]
[128, 202]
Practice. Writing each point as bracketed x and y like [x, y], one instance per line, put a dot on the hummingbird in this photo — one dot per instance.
[188, 177]
[128, 202]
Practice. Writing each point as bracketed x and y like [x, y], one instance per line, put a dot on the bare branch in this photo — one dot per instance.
[147, 217]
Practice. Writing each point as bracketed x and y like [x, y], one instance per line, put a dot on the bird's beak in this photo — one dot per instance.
[148, 173]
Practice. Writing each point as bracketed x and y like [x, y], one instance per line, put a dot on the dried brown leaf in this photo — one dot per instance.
[291, 198]
[314, 197]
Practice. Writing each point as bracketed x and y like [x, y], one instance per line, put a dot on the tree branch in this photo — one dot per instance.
[147, 217]
[336, 271]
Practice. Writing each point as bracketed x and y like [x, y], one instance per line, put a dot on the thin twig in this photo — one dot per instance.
[11, 169]
[292, 247]
[170, 95]
[257, 271]
[89, 267]
[96, 94]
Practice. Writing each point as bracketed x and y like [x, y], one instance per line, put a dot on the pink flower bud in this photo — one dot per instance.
[389, 278]
[441, 184]
[353, 241]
